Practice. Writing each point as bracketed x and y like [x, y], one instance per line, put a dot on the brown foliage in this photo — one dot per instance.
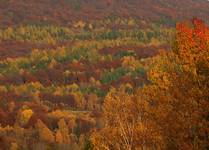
[170, 113]
[58, 12]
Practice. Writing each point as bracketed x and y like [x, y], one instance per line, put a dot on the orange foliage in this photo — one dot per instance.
[45, 133]
[172, 111]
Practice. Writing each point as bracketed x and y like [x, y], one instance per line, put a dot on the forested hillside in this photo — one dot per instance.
[104, 75]
[66, 12]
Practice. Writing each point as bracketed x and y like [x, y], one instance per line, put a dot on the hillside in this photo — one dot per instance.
[64, 12]
[104, 74]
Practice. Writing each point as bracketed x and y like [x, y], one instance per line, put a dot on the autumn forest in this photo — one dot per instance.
[104, 75]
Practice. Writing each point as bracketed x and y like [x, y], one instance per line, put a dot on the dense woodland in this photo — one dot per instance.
[67, 12]
[116, 82]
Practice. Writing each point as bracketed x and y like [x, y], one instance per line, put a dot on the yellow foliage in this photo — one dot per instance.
[66, 73]
[90, 26]
[80, 24]
[6, 129]
[130, 61]
[52, 64]
[74, 87]
[21, 89]
[126, 122]
[58, 91]
[22, 30]
[36, 85]
[51, 41]
[25, 116]
[131, 22]
[61, 114]
[3, 89]
[79, 99]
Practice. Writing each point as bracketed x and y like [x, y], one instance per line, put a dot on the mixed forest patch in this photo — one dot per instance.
[54, 77]
[75, 76]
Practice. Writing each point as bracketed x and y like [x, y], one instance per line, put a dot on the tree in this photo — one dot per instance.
[58, 137]
[14, 146]
[180, 88]
[11, 106]
[127, 125]
[170, 113]
[63, 132]
[25, 116]
[45, 134]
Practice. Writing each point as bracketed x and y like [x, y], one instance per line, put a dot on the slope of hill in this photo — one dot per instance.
[64, 12]
[61, 59]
